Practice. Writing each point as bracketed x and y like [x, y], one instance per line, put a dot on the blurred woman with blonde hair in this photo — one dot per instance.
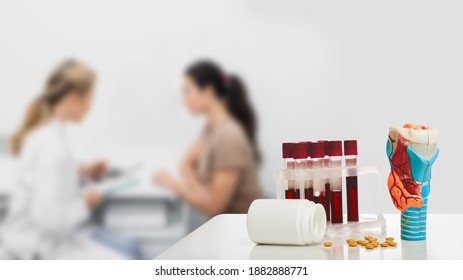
[47, 205]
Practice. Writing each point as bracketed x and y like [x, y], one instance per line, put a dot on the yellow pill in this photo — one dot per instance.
[369, 246]
[390, 238]
[368, 237]
[375, 244]
[373, 239]
[352, 244]
[392, 244]
[328, 244]
[350, 240]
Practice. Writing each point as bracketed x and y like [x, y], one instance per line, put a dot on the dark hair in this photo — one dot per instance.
[232, 91]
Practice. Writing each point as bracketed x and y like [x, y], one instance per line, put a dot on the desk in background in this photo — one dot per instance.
[154, 217]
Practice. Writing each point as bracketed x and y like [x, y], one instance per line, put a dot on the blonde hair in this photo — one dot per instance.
[69, 76]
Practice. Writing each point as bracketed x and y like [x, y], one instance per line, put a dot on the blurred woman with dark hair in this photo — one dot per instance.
[220, 171]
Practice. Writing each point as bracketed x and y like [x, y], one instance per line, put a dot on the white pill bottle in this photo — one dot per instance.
[286, 222]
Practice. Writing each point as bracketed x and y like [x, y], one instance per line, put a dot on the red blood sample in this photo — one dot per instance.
[309, 193]
[317, 153]
[287, 153]
[335, 153]
[336, 204]
[352, 199]
[350, 151]
[292, 194]
[326, 162]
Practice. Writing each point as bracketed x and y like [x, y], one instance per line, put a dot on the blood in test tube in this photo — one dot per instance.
[287, 150]
[350, 153]
[308, 188]
[326, 162]
[317, 153]
[336, 206]
[335, 153]
[300, 155]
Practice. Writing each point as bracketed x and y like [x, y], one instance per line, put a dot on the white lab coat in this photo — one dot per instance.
[47, 204]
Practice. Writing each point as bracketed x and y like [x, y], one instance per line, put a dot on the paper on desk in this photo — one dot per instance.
[118, 185]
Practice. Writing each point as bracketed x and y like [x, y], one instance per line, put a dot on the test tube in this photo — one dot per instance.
[287, 151]
[317, 153]
[326, 162]
[350, 153]
[335, 153]
[308, 191]
[326, 158]
[300, 155]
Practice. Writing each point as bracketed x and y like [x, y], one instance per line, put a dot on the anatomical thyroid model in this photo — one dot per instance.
[412, 150]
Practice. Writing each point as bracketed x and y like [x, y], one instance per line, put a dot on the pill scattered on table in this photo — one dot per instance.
[328, 244]
[371, 242]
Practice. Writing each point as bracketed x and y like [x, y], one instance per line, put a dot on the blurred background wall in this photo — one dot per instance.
[315, 70]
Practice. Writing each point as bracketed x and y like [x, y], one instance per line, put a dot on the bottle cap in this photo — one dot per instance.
[300, 150]
[350, 147]
[287, 149]
[335, 148]
[326, 146]
[317, 150]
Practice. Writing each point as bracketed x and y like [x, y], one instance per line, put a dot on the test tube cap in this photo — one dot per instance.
[350, 147]
[335, 148]
[317, 150]
[308, 144]
[300, 150]
[327, 153]
[287, 149]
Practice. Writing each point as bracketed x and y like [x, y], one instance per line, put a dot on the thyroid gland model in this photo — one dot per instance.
[412, 150]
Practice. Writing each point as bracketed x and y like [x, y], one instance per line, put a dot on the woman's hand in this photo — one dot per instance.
[166, 179]
[99, 168]
[92, 198]
[95, 170]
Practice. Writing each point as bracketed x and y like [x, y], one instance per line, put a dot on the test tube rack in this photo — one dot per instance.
[366, 221]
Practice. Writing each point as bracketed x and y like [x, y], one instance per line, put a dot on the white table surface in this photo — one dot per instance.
[225, 237]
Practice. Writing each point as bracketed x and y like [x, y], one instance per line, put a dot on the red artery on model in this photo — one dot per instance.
[405, 192]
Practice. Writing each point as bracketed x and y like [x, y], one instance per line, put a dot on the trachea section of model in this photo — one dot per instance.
[335, 153]
[412, 150]
[350, 153]
[287, 151]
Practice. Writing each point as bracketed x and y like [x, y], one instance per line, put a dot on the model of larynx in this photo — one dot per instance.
[412, 150]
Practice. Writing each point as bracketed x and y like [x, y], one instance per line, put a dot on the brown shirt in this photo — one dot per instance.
[227, 146]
